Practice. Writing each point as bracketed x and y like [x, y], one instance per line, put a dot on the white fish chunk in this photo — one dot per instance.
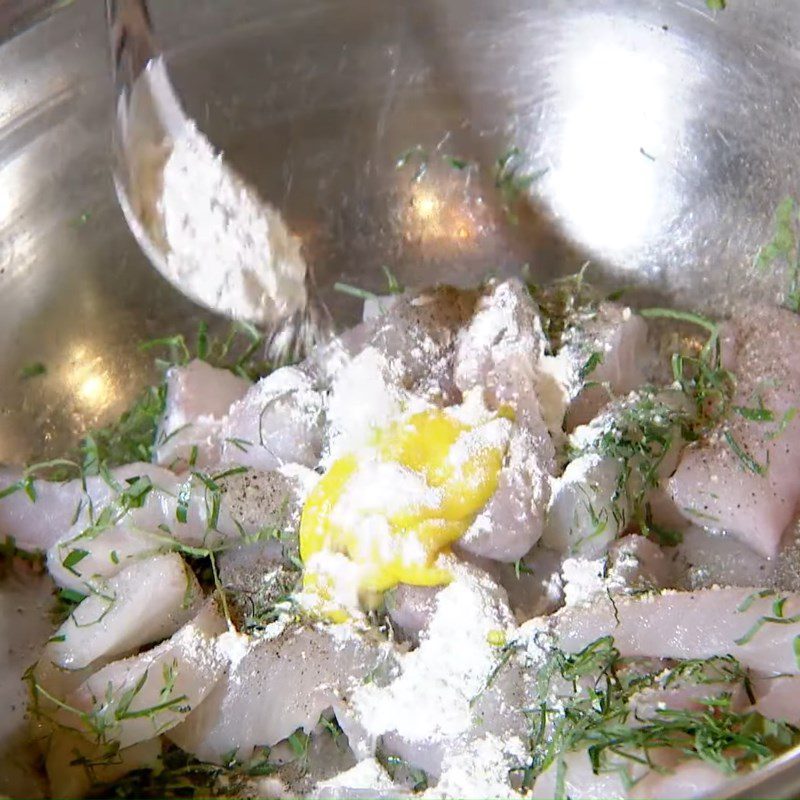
[147, 601]
[479, 770]
[692, 778]
[637, 562]
[193, 510]
[685, 696]
[505, 330]
[682, 781]
[199, 396]
[278, 421]
[703, 559]
[686, 625]
[534, 586]
[365, 396]
[143, 696]
[601, 489]
[430, 707]
[36, 524]
[580, 781]
[585, 515]
[744, 478]
[511, 522]
[618, 337]
[416, 333]
[778, 698]
[411, 608]
[499, 351]
[278, 686]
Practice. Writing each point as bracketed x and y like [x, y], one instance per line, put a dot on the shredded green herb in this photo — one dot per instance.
[393, 286]
[32, 370]
[562, 303]
[584, 704]
[513, 182]
[591, 364]
[10, 553]
[748, 462]
[782, 251]
[641, 430]
[456, 162]
[354, 291]
[417, 155]
[181, 775]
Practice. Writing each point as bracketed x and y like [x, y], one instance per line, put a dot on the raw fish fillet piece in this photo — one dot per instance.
[199, 396]
[745, 477]
[692, 778]
[38, 524]
[428, 709]
[511, 522]
[499, 350]
[278, 686]
[688, 625]
[619, 338]
[147, 601]
[367, 780]
[250, 504]
[165, 683]
[278, 421]
[415, 333]
[584, 515]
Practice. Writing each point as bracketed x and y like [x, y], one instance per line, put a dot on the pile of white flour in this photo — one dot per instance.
[228, 249]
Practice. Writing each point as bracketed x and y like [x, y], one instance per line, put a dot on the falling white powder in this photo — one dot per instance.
[431, 702]
[366, 779]
[583, 580]
[480, 770]
[227, 248]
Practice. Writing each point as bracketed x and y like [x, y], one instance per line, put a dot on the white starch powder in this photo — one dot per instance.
[227, 248]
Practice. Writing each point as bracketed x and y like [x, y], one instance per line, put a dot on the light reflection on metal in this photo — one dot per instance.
[88, 378]
[94, 391]
[612, 183]
[443, 216]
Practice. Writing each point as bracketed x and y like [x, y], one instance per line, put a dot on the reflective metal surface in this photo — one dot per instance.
[669, 133]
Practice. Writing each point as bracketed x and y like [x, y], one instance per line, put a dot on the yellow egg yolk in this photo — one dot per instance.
[402, 544]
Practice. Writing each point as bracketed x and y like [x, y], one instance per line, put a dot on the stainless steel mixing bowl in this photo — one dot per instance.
[669, 133]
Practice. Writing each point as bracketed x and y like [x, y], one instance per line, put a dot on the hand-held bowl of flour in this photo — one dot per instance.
[204, 228]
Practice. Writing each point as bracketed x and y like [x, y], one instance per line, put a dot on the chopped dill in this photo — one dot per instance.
[66, 600]
[641, 430]
[748, 462]
[512, 181]
[32, 370]
[418, 155]
[782, 250]
[591, 364]
[393, 286]
[354, 291]
[456, 162]
[562, 303]
[584, 704]
[180, 775]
